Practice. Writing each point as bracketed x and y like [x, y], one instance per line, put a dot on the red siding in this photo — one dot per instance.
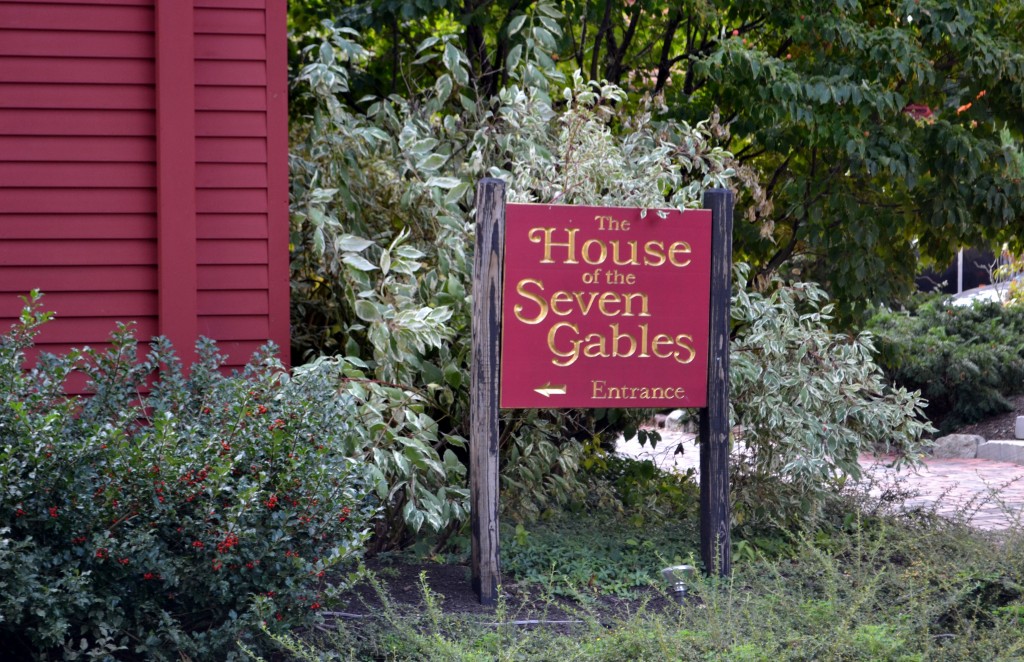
[143, 168]
[77, 159]
[235, 188]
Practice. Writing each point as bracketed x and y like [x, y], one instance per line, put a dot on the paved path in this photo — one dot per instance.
[989, 494]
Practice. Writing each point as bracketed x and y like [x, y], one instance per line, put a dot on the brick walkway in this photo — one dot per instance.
[988, 494]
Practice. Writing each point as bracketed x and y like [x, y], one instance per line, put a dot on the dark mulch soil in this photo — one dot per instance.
[999, 427]
[524, 604]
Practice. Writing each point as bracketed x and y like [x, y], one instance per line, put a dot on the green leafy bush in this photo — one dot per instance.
[807, 402]
[964, 360]
[168, 513]
[382, 209]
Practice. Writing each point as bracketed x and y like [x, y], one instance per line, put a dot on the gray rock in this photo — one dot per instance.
[957, 446]
[674, 421]
[1002, 451]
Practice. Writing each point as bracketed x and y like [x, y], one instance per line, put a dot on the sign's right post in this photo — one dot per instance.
[715, 538]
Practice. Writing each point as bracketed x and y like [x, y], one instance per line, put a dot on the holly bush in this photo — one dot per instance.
[169, 512]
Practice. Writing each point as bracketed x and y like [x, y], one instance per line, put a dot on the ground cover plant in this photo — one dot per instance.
[860, 581]
[168, 514]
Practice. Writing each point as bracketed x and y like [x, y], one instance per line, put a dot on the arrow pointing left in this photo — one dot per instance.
[550, 389]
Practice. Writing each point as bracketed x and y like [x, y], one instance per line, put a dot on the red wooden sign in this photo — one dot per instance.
[605, 307]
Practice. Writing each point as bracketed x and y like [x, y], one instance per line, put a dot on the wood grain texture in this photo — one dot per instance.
[78, 200]
[231, 73]
[123, 305]
[230, 226]
[231, 47]
[715, 534]
[231, 123]
[91, 149]
[231, 150]
[488, 262]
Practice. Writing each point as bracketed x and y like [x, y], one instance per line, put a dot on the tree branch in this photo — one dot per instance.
[606, 23]
[616, 54]
[665, 63]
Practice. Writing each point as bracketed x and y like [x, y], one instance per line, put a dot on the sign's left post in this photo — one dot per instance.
[488, 266]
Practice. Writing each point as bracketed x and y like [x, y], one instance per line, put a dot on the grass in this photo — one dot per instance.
[856, 585]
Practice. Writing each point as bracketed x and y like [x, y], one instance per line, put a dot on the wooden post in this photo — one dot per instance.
[715, 539]
[488, 265]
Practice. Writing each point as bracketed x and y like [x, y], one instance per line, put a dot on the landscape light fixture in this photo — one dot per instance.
[676, 577]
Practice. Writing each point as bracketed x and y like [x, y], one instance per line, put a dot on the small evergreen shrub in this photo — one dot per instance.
[964, 360]
[168, 514]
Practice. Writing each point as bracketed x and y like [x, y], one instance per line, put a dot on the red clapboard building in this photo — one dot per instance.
[143, 169]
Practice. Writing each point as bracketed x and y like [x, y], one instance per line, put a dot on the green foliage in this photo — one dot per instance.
[808, 402]
[167, 514]
[907, 588]
[382, 228]
[382, 221]
[647, 521]
[880, 131]
[965, 360]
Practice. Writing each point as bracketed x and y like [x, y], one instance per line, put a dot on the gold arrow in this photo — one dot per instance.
[550, 389]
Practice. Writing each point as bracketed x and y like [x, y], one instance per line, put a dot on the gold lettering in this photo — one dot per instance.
[676, 248]
[600, 390]
[542, 305]
[595, 252]
[685, 343]
[617, 337]
[595, 347]
[660, 340]
[655, 250]
[609, 298]
[643, 304]
[558, 298]
[567, 357]
[585, 307]
[631, 260]
[538, 235]
[602, 255]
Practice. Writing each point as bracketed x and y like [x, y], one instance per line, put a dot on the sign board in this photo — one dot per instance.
[599, 307]
[605, 307]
